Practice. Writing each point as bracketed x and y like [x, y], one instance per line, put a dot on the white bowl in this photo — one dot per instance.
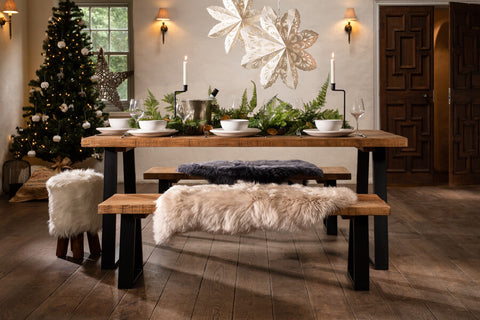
[234, 124]
[152, 125]
[119, 123]
[329, 125]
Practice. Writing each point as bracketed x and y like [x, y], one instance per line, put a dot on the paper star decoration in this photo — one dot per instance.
[280, 49]
[237, 15]
[108, 81]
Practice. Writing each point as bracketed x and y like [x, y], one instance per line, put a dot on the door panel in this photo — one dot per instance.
[465, 94]
[406, 90]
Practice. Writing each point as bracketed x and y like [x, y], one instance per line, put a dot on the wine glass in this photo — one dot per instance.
[136, 110]
[182, 111]
[358, 110]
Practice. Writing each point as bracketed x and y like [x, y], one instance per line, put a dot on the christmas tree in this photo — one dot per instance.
[64, 98]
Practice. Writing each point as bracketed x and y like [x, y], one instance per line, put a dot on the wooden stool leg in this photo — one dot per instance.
[77, 246]
[62, 247]
[94, 244]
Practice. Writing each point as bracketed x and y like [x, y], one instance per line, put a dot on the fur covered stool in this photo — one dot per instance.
[73, 197]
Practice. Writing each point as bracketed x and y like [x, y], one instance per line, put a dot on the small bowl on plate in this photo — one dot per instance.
[119, 123]
[329, 124]
[152, 125]
[234, 124]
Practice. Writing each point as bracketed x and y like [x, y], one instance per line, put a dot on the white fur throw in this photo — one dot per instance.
[73, 197]
[244, 207]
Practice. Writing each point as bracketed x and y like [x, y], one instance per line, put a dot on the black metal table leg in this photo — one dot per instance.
[331, 221]
[380, 222]
[163, 185]
[129, 171]
[130, 251]
[363, 158]
[109, 220]
[358, 255]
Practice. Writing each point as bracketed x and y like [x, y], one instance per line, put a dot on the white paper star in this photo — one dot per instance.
[280, 49]
[236, 16]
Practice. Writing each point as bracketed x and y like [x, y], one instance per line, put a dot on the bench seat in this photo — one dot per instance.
[132, 207]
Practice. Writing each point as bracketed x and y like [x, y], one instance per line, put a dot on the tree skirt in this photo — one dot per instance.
[244, 207]
[262, 171]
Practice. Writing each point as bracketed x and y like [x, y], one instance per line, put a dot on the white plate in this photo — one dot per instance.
[318, 133]
[243, 133]
[112, 131]
[145, 133]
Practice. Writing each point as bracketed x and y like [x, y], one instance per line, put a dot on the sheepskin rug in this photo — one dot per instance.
[244, 207]
[73, 197]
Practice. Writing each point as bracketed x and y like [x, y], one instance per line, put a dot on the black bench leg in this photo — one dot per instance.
[131, 256]
[358, 265]
[330, 222]
[163, 185]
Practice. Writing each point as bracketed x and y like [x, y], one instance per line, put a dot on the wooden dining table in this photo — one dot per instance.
[375, 142]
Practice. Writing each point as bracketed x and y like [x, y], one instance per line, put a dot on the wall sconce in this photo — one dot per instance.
[163, 16]
[9, 8]
[350, 16]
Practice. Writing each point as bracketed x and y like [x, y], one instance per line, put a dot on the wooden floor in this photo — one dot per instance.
[434, 270]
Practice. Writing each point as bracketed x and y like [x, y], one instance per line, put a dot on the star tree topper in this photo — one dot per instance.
[236, 16]
[108, 81]
[280, 49]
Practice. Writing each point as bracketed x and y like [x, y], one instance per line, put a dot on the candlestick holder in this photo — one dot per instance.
[344, 100]
[185, 89]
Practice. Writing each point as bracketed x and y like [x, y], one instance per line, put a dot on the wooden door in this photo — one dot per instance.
[406, 90]
[464, 151]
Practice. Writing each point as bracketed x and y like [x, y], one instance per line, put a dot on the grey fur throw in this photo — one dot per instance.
[261, 171]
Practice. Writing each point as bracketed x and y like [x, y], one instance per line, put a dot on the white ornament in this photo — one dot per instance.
[86, 125]
[99, 113]
[82, 94]
[81, 22]
[237, 15]
[71, 106]
[64, 107]
[31, 153]
[36, 118]
[61, 44]
[31, 91]
[56, 138]
[94, 78]
[280, 50]
[44, 85]
[45, 118]
[60, 75]
[84, 51]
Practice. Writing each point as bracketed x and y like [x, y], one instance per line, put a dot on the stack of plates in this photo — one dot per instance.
[241, 133]
[318, 133]
[156, 133]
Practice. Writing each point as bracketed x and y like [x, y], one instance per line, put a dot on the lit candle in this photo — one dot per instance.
[332, 68]
[185, 71]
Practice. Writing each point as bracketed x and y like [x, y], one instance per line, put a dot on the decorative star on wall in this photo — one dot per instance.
[108, 81]
[236, 16]
[280, 49]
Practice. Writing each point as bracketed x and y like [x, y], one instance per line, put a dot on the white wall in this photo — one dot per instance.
[13, 70]
[158, 67]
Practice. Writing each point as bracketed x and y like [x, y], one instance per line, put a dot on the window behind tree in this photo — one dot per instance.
[108, 27]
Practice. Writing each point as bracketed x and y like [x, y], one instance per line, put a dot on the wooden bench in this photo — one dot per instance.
[133, 207]
[167, 176]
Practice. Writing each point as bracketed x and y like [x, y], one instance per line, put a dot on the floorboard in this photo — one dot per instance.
[434, 269]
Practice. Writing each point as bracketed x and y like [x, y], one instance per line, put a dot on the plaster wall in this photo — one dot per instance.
[13, 69]
[158, 67]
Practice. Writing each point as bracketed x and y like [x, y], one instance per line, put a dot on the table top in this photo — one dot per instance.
[374, 138]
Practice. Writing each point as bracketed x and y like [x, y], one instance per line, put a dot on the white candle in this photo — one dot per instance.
[185, 71]
[332, 68]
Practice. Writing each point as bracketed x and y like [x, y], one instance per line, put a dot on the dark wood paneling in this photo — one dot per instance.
[465, 99]
[406, 90]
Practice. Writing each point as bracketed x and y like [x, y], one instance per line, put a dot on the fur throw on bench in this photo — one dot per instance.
[244, 207]
[262, 171]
